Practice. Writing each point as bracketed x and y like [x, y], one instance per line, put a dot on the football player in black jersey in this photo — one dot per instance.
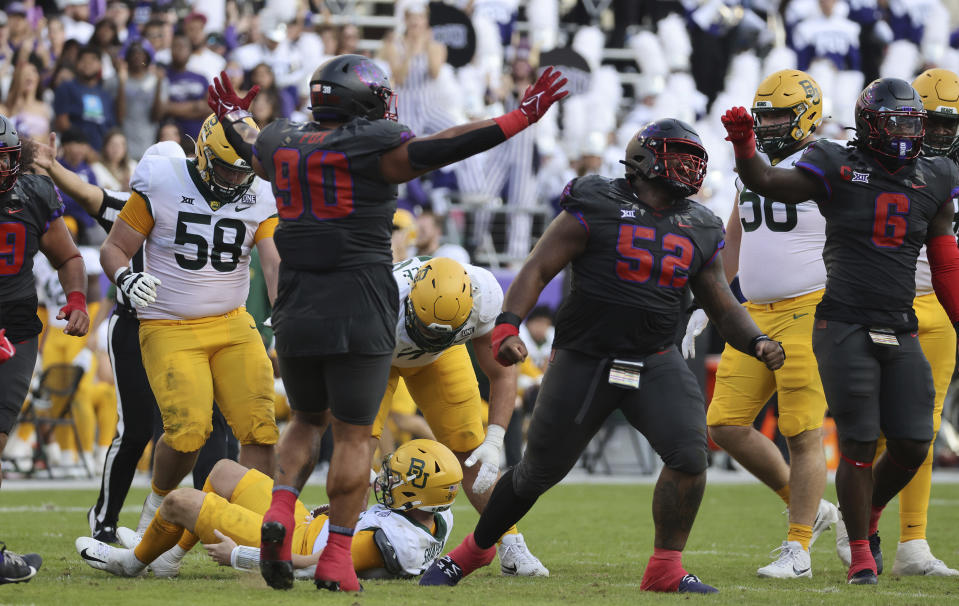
[30, 221]
[881, 202]
[635, 244]
[335, 183]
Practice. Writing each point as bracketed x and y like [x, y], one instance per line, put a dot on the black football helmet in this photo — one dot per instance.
[890, 119]
[10, 151]
[669, 150]
[351, 86]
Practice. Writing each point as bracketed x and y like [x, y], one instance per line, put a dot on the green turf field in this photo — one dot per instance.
[595, 539]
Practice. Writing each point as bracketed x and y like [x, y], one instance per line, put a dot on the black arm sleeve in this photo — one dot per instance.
[433, 153]
[110, 208]
[234, 138]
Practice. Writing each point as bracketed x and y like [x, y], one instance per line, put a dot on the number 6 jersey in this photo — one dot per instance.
[876, 222]
[630, 280]
[197, 245]
[781, 252]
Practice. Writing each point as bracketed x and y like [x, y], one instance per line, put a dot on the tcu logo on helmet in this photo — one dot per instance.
[416, 470]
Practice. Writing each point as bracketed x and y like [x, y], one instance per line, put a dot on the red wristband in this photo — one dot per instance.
[76, 300]
[512, 123]
[501, 332]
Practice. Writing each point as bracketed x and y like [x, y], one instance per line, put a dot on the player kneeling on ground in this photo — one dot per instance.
[401, 535]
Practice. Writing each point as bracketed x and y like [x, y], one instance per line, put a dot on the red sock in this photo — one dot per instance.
[861, 557]
[469, 556]
[281, 510]
[664, 571]
[336, 562]
[874, 519]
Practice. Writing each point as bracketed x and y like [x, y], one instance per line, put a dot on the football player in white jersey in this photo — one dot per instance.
[444, 304]
[398, 538]
[777, 249]
[199, 221]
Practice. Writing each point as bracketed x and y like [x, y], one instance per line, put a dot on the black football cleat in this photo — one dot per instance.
[876, 551]
[277, 573]
[15, 568]
[864, 577]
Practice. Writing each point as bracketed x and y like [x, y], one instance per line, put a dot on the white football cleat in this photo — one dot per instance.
[915, 558]
[101, 556]
[842, 544]
[515, 558]
[167, 565]
[827, 516]
[128, 537]
[793, 563]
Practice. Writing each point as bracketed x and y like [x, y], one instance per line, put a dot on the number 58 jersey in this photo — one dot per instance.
[197, 245]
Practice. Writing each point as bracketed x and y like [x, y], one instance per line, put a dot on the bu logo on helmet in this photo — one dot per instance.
[416, 470]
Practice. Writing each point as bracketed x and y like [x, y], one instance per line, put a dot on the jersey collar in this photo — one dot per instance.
[208, 195]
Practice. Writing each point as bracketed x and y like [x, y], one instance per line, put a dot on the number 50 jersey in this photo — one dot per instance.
[196, 245]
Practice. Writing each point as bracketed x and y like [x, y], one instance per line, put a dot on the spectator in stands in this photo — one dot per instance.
[107, 41]
[135, 91]
[30, 115]
[429, 239]
[830, 35]
[202, 60]
[76, 151]
[76, 20]
[7, 56]
[305, 50]
[348, 40]
[119, 13]
[19, 31]
[54, 41]
[115, 167]
[169, 131]
[182, 93]
[272, 105]
[83, 102]
[156, 31]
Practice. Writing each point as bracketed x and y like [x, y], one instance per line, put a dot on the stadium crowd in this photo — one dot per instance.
[95, 85]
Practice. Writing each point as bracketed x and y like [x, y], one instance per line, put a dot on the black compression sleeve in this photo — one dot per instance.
[234, 138]
[433, 153]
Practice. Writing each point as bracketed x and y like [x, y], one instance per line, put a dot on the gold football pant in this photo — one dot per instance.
[744, 384]
[191, 362]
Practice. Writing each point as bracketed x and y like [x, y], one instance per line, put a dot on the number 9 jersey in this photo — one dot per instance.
[198, 246]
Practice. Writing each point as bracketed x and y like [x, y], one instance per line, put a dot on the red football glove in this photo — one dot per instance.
[536, 100]
[222, 99]
[6, 347]
[739, 129]
[501, 332]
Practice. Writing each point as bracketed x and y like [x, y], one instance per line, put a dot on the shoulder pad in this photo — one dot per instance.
[43, 186]
[584, 193]
[704, 215]
[487, 290]
[390, 561]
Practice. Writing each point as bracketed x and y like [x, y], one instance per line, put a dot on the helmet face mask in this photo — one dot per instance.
[10, 150]
[788, 92]
[221, 168]
[670, 152]
[939, 90]
[421, 474]
[890, 119]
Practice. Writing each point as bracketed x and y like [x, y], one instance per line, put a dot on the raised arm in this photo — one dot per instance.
[88, 196]
[732, 320]
[421, 155]
[563, 241]
[787, 185]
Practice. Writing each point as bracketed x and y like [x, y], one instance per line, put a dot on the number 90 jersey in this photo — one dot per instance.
[335, 207]
[196, 245]
[876, 223]
[487, 304]
[780, 256]
[629, 282]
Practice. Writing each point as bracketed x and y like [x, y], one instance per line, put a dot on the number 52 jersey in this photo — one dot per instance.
[198, 246]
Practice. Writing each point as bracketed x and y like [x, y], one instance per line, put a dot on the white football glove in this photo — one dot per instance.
[139, 287]
[697, 324]
[488, 453]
